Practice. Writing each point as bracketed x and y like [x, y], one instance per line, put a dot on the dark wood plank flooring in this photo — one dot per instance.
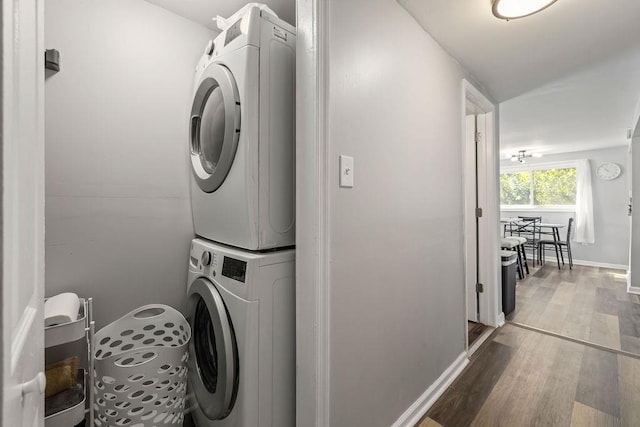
[474, 330]
[521, 377]
[586, 303]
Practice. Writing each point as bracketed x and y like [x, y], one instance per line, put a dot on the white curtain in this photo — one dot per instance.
[584, 204]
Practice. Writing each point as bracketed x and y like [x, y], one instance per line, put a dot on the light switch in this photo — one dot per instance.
[346, 171]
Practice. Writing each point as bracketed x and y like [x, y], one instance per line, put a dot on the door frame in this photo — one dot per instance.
[633, 284]
[22, 213]
[312, 215]
[488, 226]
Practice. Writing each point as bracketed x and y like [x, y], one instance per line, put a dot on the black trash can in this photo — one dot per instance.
[509, 259]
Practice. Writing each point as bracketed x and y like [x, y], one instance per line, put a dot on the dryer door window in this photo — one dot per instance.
[211, 135]
[215, 127]
[213, 361]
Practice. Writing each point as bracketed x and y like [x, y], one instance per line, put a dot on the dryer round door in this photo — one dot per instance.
[213, 361]
[215, 127]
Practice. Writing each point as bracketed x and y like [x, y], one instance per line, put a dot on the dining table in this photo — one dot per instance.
[554, 231]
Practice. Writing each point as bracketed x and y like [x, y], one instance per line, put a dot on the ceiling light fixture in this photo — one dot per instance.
[513, 9]
[522, 154]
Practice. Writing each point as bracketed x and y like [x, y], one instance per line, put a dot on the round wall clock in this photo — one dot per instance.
[608, 171]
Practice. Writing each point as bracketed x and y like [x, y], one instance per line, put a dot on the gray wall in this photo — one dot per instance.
[397, 304]
[610, 200]
[118, 219]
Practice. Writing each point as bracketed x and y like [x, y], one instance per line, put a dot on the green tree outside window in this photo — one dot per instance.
[515, 188]
[539, 187]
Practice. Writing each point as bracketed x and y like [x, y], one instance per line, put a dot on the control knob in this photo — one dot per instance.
[205, 259]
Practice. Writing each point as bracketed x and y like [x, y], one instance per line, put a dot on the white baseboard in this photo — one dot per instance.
[633, 290]
[420, 407]
[501, 320]
[599, 264]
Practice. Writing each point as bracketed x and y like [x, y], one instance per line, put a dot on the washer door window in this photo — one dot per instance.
[215, 127]
[213, 361]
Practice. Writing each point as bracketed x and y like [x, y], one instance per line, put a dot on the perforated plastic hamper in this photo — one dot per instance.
[141, 369]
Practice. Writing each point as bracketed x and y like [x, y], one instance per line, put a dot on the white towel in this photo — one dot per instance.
[62, 308]
[224, 23]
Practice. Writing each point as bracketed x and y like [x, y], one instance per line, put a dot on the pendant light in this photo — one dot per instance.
[522, 154]
[513, 9]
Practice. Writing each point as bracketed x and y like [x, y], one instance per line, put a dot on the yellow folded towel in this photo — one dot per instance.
[61, 375]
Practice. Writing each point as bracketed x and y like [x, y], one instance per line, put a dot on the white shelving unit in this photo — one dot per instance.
[83, 327]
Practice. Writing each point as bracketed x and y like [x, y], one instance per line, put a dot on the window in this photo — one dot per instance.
[538, 186]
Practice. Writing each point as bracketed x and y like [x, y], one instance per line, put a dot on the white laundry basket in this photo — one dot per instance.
[141, 369]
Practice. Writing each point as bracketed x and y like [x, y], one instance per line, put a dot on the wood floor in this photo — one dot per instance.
[586, 303]
[521, 377]
[474, 330]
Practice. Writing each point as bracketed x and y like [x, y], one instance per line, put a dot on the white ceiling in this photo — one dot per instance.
[592, 108]
[202, 11]
[570, 75]
[567, 78]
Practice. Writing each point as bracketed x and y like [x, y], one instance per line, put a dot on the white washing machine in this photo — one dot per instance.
[242, 129]
[241, 308]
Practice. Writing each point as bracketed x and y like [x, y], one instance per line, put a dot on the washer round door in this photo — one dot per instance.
[215, 127]
[213, 361]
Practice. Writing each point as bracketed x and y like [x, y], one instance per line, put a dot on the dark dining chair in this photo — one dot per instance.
[529, 228]
[559, 246]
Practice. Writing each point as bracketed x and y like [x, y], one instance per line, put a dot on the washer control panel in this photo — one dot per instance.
[234, 269]
[212, 263]
[205, 259]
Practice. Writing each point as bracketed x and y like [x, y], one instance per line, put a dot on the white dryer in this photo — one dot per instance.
[241, 308]
[241, 138]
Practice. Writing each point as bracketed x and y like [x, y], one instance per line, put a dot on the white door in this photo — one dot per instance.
[22, 213]
[633, 275]
[482, 204]
[471, 229]
[630, 210]
[475, 200]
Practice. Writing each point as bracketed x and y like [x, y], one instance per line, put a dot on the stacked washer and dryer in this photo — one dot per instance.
[240, 295]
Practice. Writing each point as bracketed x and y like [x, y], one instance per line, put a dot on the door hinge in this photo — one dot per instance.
[478, 137]
[479, 287]
[478, 212]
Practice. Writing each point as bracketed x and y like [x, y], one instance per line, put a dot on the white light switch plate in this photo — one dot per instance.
[346, 171]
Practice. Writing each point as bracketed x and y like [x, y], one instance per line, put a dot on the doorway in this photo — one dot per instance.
[633, 284]
[474, 135]
[482, 290]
